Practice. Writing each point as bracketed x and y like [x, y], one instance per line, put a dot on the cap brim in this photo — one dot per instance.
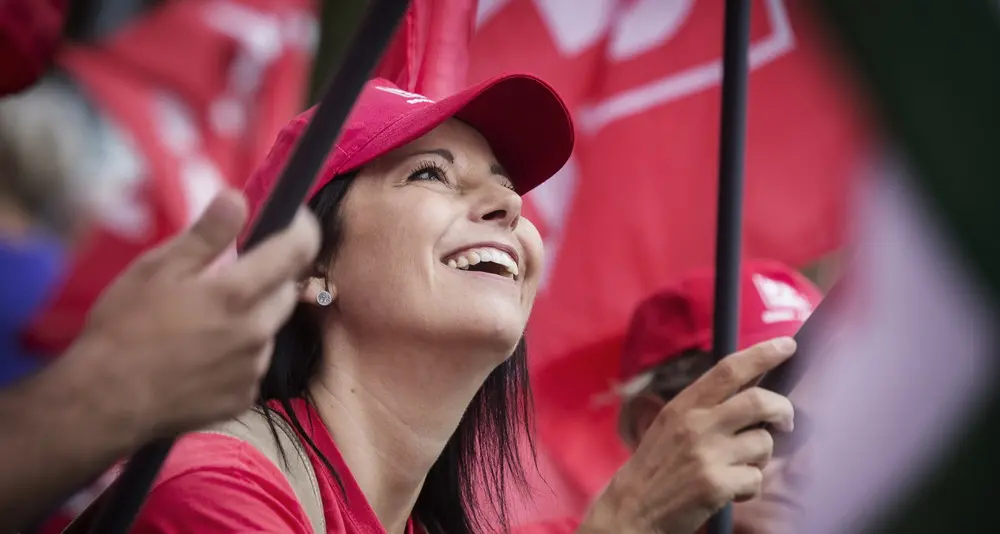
[525, 122]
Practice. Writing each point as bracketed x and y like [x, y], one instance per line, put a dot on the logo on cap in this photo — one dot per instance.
[782, 302]
[411, 98]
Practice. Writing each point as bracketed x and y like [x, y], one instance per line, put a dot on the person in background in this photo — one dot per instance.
[668, 349]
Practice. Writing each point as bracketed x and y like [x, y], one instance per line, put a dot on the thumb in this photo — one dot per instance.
[210, 236]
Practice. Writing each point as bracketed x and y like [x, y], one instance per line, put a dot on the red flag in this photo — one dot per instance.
[429, 54]
[637, 203]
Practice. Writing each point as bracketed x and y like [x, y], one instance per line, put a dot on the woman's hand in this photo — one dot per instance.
[703, 450]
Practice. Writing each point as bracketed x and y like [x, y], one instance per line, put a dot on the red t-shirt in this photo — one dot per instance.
[566, 525]
[216, 484]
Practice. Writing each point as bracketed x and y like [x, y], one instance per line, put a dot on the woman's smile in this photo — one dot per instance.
[489, 258]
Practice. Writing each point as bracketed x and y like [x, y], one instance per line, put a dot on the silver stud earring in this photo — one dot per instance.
[324, 298]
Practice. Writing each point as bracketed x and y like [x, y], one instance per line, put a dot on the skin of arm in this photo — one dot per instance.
[63, 427]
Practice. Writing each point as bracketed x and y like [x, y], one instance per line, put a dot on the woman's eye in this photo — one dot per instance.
[430, 173]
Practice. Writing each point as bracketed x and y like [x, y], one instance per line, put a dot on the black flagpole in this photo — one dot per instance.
[371, 39]
[729, 232]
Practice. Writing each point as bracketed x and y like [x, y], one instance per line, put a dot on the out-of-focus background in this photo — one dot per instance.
[151, 105]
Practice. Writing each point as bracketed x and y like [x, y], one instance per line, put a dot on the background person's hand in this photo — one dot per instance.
[184, 345]
[701, 451]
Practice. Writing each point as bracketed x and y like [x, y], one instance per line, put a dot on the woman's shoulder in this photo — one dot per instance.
[216, 484]
[210, 450]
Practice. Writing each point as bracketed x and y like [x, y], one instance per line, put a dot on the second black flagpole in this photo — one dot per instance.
[729, 232]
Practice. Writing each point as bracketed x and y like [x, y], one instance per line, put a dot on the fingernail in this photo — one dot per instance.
[784, 345]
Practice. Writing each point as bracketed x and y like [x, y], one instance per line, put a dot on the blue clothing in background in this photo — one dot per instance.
[30, 268]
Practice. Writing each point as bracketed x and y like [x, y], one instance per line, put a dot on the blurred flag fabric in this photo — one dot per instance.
[186, 98]
[913, 364]
[908, 426]
[430, 53]
[636, 205]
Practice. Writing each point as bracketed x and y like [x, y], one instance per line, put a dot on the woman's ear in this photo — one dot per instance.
[317, 291]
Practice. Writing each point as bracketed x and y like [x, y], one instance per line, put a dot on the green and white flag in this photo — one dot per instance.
[908, 422]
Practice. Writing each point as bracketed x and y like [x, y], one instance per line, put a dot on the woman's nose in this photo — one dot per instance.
[503, 208]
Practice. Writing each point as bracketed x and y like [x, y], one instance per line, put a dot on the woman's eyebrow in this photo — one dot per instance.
[443, 152]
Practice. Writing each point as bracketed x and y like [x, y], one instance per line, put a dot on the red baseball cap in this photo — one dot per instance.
[525, 122]
[774, 301]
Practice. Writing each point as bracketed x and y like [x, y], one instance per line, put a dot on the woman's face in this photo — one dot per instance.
[434, 248]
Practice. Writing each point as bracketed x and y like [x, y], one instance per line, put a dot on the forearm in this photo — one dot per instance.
[62, 428]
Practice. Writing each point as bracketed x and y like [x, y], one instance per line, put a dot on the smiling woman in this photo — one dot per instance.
[403, 371]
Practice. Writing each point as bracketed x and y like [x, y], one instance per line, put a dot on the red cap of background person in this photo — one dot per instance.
[523, 119]
[774, 301]
[30, 32]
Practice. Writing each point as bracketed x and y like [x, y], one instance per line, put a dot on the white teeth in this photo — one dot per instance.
[471, 257]
[511, 267]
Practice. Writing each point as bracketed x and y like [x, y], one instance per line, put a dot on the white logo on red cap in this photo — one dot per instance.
[782, 302]
[411, 98]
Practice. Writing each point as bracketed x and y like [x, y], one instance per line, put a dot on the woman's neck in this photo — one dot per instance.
[391, 411]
